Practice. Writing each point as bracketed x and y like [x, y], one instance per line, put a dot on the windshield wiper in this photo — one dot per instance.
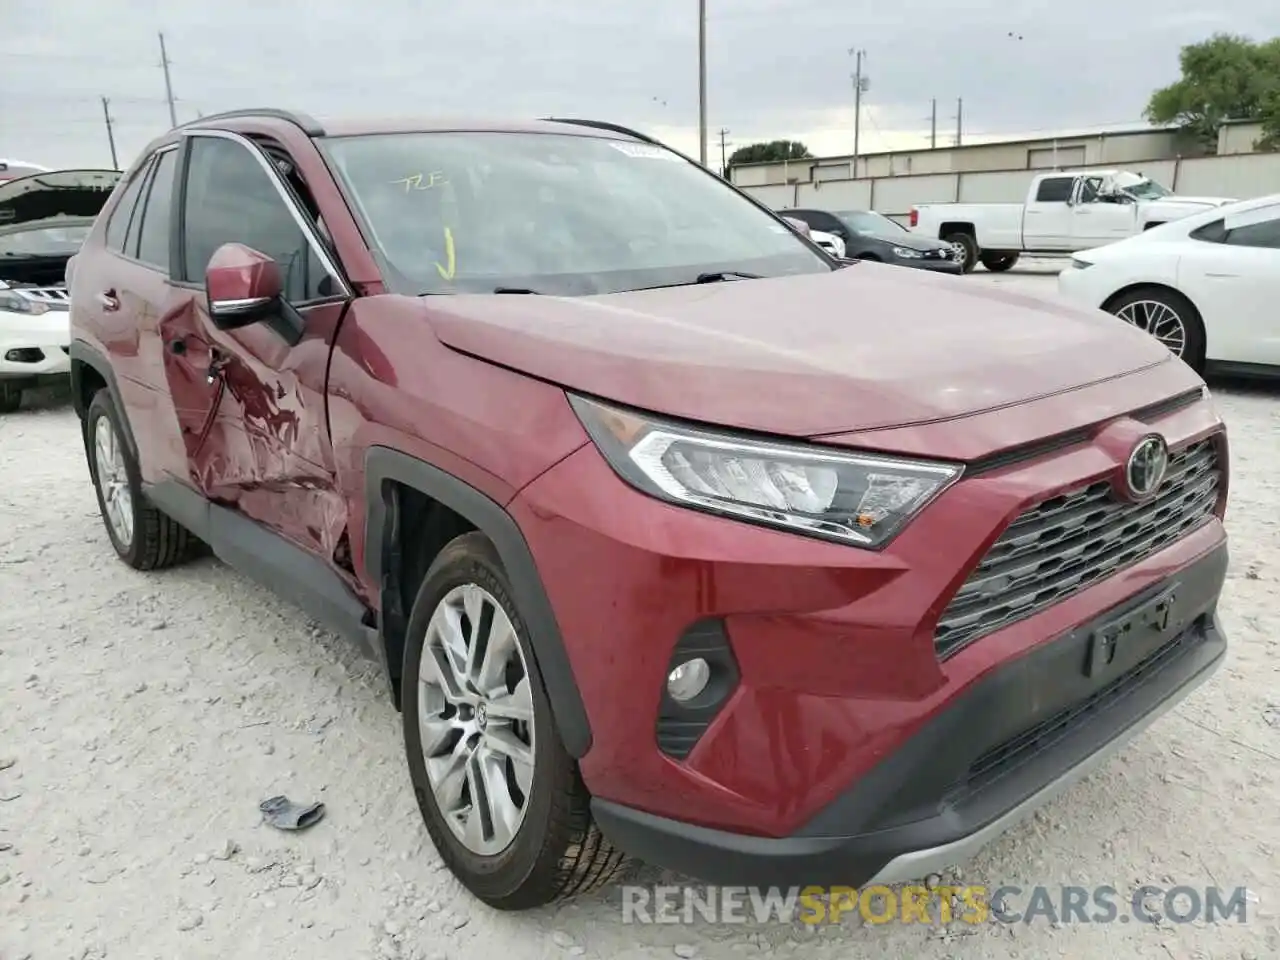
[516, 290]
[719, 275]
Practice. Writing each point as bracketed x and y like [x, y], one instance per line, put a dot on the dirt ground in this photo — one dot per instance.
[144, 717]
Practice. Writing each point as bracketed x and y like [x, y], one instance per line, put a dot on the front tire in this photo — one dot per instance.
[143, 537]
[967, 245]
[1169, 317]
[502, 800]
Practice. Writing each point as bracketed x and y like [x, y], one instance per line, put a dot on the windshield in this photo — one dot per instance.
[867, 221]
[1141, 188]
[555, 214]
[44, 241]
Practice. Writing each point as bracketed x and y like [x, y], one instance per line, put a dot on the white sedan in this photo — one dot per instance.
[1207, 286]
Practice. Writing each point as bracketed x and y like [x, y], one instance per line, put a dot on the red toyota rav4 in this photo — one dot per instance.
[674, 536]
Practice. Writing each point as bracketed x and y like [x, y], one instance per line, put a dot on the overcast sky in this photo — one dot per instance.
[775, 68]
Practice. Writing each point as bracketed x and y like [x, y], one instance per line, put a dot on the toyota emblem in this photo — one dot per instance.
[1145, 469]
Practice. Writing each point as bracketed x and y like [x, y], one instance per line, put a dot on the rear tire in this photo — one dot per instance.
[999, 262]
[10, 398]
[143, 537]
[533, 840]
[1157, 311]
[968, 245]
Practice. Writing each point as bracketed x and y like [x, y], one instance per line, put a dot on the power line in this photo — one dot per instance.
[77, 97]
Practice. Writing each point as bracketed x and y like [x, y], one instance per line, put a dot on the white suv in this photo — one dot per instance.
[44, 218]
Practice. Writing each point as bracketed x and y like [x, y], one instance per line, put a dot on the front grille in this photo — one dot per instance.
[1072, 541]
[53, 297]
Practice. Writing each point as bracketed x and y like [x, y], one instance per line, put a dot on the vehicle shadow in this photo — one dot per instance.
[46, 398]
[1243, 386]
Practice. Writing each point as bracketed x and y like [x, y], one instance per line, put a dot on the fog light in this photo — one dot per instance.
[688, 680]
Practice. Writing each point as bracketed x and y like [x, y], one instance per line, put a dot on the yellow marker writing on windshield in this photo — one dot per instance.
[420, 181]
[447, 273]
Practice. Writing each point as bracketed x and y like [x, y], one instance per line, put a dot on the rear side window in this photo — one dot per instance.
[1264, 233]
[231, 199]
[153, 239]
[118, 225]
[1055, 190]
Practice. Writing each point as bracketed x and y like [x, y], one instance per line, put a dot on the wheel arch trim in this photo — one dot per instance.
[83, 355]
[384, 466]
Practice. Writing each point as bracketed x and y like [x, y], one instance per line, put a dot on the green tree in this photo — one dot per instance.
[775, 151]
[1227, 77]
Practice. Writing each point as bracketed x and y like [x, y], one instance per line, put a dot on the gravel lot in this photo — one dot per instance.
[143, 718]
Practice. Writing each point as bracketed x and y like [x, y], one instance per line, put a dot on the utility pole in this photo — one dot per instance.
[168, 83]
[959, 120]
[702, 81]
[724, 164]
[859, 85]
[111, 137]
[933, 125]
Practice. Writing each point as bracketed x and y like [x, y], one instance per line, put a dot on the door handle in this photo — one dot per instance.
[109, 301]
[1222, 276]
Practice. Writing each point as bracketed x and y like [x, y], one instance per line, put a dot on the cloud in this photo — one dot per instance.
[775, 69]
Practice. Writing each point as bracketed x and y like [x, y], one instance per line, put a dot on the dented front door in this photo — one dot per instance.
[268, 450]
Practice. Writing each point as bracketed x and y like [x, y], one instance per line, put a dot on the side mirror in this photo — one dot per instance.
[243, 286]
[799, 226]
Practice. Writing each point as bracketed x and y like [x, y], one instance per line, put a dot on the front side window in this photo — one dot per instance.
[231, 199]
[555, 213]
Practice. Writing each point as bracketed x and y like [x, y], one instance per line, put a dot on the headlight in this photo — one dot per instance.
[10, 302]
[906, 253]
[852, 498]
[1078, 264]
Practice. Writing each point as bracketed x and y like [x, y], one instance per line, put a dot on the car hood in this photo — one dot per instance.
[54, 199]
[911, 241]
[1186, 204]
[864, 347]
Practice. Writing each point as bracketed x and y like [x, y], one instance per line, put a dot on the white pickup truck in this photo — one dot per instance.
[1065, 211]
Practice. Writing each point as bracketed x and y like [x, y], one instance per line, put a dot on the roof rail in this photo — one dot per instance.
[309, 125]
[606, 125]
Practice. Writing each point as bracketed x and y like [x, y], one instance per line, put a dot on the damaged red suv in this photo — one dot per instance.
[673, 536]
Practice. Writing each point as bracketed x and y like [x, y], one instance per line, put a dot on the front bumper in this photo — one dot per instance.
[34, 348]
[934, 266]
[941, 796]
[1085, 286]
[832, 653]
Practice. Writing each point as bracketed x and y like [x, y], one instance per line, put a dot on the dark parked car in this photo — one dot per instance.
[671, 535]
[872, 236]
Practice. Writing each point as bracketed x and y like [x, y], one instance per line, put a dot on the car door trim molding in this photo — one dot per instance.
[282, 190]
